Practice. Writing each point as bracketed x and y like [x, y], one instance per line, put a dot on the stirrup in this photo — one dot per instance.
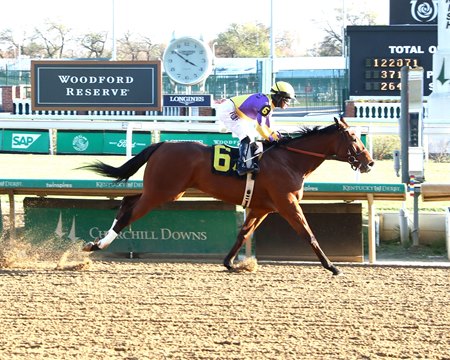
[242, 169]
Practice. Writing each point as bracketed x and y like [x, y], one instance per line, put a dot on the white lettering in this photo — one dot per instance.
[405, 49]
[95, 79]
[96, 92]
[167, 234]
[23, 141]
[64, 78]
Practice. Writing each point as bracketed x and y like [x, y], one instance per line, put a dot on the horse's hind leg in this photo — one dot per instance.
[134, 209]
[125, 207]
[127, 203]
[251, 223]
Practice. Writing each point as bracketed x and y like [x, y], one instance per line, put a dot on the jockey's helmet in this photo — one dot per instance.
[282, 90]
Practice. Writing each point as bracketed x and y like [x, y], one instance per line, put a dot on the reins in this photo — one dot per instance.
[305, 152]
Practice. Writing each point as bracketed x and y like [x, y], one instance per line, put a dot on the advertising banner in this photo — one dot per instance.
[26, 141]
[115, 142]
[79, 142]
[204, 138]
[413, 12]
[187, 100]
[96, 85]
[99, 142]
[180, 228]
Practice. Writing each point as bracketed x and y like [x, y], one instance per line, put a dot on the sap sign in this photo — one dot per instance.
[23, 141]
[26, 141]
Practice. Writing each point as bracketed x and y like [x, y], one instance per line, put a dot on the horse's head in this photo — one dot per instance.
[351, 149]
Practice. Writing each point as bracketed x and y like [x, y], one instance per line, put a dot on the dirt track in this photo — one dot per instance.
[145, 310]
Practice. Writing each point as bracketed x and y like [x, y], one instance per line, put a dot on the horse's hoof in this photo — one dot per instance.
[229, 267]
[90, 246]
[337, 272]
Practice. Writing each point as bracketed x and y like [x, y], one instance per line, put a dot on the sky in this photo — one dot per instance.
[159, 19]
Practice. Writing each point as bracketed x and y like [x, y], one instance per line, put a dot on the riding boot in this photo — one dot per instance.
[245, 163]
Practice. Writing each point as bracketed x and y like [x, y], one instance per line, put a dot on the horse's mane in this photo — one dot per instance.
[306, 131]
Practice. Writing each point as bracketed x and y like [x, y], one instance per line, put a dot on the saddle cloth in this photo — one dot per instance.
[225, 158]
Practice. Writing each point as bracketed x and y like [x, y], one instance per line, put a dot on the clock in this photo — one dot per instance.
[187, 61]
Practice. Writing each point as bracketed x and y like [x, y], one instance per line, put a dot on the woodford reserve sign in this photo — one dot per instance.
[96, 85]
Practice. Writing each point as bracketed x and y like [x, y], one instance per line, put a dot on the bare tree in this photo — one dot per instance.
[331, 45]
[151, 51]
[284, 45]
[94, 43]
[12, 48]
[53, 38]
[128, 49]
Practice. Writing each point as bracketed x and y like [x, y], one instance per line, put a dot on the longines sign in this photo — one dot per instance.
[187, 100]
[96, 85]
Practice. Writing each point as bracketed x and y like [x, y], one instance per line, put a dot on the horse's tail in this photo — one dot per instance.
[124, 172]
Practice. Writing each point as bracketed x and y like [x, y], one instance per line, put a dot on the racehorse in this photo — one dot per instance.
[172, 168]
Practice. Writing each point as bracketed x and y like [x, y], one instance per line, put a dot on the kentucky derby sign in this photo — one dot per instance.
[96, 85]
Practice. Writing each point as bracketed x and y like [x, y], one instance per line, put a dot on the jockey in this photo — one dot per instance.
[248, 116]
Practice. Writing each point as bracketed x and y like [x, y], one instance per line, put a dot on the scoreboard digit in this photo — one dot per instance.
[383, 74]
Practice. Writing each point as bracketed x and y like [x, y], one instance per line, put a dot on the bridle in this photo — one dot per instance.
[351, 158]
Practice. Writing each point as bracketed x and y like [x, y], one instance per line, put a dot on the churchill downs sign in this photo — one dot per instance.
[96, 85]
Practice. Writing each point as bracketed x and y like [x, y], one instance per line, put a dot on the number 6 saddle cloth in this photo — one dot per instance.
[225, 158]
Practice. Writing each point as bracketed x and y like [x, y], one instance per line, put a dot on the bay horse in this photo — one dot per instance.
[173, 167]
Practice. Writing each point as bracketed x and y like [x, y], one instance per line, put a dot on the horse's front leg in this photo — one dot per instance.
[296, 218]
[252, 221]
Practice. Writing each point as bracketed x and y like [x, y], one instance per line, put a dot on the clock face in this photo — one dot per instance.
[187, 61]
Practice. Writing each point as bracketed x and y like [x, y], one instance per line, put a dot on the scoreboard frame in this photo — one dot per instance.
[376, 54]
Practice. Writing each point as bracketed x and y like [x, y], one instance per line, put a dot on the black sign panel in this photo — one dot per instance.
[187, 100]
[96, 85]
[414, 12]
[376, 55]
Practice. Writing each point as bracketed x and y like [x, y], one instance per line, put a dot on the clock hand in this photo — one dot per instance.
[181, 56]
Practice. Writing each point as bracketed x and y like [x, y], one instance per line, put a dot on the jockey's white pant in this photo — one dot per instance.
[239, 127]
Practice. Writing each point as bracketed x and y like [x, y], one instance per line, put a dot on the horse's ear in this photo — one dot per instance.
[344, 122]
[341, 123]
